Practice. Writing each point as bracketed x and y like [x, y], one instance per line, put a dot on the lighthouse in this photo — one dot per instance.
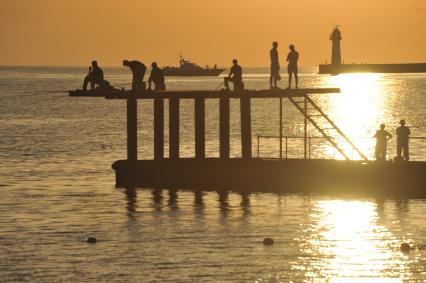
[336, 56]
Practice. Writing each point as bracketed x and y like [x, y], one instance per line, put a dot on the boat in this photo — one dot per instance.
[337, 67]
[189, 69]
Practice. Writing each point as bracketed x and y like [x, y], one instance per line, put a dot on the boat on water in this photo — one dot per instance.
[189, 69]
[337, 67]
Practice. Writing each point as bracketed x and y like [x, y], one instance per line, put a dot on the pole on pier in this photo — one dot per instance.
[158, 128]
[224, 140]
[200, 125]
[132, 128]
[305, 130]
[281, 128]
[245, 127]
[174, 128]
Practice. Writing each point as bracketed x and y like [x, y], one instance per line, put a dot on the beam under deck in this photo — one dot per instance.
[266, 93]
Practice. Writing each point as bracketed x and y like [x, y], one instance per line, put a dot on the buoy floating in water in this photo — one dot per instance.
[268, 241]
[405, 248]
[91, 240]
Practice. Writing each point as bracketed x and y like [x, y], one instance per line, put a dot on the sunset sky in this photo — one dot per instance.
[73, 32]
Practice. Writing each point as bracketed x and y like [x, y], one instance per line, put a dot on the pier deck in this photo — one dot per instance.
[192, 94]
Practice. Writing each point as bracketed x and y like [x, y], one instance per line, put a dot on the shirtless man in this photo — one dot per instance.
[275, 66]
[292, 58]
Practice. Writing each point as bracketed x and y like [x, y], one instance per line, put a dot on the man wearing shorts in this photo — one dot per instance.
[275, 66]
[292, 58]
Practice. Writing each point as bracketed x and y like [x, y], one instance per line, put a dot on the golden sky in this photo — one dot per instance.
[73, 32]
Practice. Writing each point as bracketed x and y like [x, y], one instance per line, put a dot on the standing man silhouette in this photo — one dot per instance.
[275, 66]
[292, 58]
[382, 136]
[138, 69]
[402, 135]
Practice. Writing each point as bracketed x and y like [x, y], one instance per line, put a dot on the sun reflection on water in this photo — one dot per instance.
[349, 245]
[357, 110]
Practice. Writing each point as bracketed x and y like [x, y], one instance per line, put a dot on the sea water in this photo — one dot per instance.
[57, 188]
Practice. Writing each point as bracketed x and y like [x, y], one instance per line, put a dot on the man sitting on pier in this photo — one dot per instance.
[235, 76]
[292, 58]
[402, 135]
[157, 77]
[95, 77]
[138, 69]
[382, 136]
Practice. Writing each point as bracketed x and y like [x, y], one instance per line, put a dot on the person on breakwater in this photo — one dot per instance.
[235, 76]
[382, 136]
[402, 136]
[95, 77]
[292, 58]
[138, 70]
[275, 66]
[157, 77]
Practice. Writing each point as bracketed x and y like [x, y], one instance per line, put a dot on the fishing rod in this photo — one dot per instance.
[45, 92]
[36, 92]
[33, 94]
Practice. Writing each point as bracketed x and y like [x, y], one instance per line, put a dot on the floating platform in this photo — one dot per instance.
[372, 68]
[331, 177]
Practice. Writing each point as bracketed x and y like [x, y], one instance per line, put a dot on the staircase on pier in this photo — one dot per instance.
[323, 124]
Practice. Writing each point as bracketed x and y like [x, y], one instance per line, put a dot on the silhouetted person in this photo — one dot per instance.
[382, 136]
[95, 77]
[235, 76]
[138, 69]
[292, 58]
[157, 77]
[402, 135]
[275, 66]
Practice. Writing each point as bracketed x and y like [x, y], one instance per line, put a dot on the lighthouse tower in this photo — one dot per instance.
[336, 37]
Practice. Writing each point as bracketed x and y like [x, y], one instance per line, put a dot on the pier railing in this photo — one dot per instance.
[319, 147]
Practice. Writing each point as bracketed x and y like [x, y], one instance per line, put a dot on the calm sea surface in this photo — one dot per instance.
[57, 189]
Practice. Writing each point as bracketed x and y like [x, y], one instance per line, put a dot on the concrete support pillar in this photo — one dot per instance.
[200, 126]
[174, 128]
[245, 109]
[132, 129]
[158, 128]
[305, 128]
[224, 141]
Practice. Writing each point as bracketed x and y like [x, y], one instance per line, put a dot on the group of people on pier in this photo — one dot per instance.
[292, 69]
[235, 76]
[382, 137]
[96, 76]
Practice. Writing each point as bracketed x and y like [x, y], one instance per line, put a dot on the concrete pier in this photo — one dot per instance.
[248, 173]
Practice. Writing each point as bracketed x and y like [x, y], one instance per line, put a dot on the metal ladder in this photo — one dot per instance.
[329, 133]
